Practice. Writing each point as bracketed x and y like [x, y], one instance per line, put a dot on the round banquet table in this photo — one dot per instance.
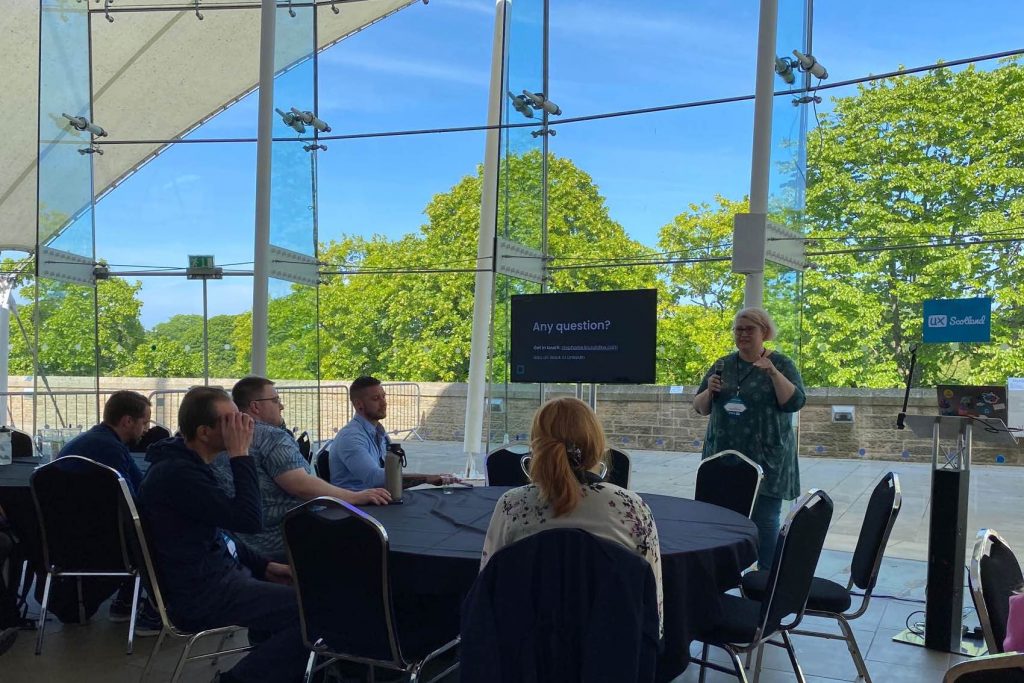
[436, 541]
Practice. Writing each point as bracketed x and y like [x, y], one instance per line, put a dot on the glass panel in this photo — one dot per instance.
[787, 178]
[291, 204]
[65, 172]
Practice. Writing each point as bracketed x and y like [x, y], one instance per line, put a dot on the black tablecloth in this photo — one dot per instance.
[436, 541]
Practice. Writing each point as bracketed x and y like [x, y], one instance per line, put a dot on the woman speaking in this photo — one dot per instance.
[750, 395]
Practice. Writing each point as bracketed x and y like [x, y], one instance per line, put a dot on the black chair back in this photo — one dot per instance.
[305, 446]
[796, 556]
[879, 518]
[21, 443]
[619, 465]
[730, 480]
[151, 436]
[85, 511]
[339, 558]
[322, 464]
[993, 668]
[994, 575]
[503, 467]
[534, 606]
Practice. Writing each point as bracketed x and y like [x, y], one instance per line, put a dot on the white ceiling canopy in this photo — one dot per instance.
[158, 72]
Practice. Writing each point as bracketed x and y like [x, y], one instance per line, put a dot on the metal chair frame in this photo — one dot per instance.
[983, 548]
[1004, 661]
[156, 595]
[53, 571]
[747, 461]
[323, 472]
[761, 634]
[319, 649]
[843, 619]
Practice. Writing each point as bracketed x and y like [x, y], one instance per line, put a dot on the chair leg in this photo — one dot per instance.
[792, 657]
[152, 655]
[183, 659]
[310, 667]
[757, 662]
[134, 615]
[854, 648]
[42, 613]
[81, 602]
[703, 659]
[737, 665]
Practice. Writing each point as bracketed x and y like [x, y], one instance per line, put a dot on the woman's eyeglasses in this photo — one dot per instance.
[744, 329]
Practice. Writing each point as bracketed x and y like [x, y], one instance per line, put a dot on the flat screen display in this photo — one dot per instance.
[600, 337]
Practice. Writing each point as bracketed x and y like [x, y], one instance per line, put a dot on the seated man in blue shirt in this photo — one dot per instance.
[357, 453]
[126, 417]
[285, 478]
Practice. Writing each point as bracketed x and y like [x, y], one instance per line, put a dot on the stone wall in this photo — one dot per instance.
[642, 417]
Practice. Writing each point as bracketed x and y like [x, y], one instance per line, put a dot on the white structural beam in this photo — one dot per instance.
[483, 293]
[761, 157]
[264, 146]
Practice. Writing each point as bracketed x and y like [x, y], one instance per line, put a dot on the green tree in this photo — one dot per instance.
[917, 161]
[174, 348]
[67, 339]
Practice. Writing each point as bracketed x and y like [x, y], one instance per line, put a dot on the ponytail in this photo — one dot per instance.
[566, 440]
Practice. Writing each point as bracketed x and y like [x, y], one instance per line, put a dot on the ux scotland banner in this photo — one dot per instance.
[957, 320]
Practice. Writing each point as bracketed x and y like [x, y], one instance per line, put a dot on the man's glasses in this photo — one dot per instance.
[275, 399]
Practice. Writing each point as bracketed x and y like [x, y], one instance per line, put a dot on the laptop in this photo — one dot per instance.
[972, 401]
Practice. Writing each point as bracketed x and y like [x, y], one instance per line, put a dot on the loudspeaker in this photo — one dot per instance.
[947, 546]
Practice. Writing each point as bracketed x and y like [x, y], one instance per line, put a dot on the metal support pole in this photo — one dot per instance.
[5, 348]
[484, 290]
[264, 146]
[206, 338]
[760, 163]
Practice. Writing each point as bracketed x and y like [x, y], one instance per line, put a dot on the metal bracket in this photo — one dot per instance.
[293, 266]
[64, 266]
[518, 261]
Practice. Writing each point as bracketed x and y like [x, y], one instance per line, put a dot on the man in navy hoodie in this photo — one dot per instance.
[205, 583]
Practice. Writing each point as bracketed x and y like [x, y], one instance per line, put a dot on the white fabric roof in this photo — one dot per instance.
[156, 76]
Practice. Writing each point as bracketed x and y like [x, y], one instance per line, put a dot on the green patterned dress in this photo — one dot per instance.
[763, 430]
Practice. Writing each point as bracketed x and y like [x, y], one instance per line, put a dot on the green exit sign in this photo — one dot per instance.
[200, 262]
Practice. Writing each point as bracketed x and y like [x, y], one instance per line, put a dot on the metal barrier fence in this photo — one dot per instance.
[320, 411]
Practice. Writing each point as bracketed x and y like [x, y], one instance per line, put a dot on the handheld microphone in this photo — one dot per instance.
[719, 367]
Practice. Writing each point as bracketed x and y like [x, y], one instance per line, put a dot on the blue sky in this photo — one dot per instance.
[428, 66]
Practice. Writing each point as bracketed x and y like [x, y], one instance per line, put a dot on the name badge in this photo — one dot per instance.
[734, 406]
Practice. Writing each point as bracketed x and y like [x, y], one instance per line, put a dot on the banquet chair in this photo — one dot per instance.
[322, 463]
[993, 668]
[504, 467]
[84, 511]
[730, 480]
[156, 597]
[305, 446]
[833, 601]
[21, 443]
[994, 574]
[566, 603]
[340, 562]
[155, 433]
[746, 624]
[619, 465]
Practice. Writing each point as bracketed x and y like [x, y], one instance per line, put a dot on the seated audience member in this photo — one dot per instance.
[126, 417]
[285, 478]
[357, 452]
[567, 443]
[1014, 641]
[206, 583]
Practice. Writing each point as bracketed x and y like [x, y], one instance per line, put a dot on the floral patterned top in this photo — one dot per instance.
[605, 510]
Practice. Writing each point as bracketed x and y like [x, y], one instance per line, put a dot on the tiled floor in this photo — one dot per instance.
[95, 652]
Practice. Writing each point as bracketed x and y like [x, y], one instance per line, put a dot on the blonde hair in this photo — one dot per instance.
[562, 425]
[759, 317]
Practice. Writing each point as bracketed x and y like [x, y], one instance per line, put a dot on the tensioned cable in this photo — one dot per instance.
[594, 117]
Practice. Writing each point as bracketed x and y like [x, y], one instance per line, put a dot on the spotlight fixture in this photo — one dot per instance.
[334, 7]
[784, 68]
[199, 15]
[291, 121]
[538, 101]
[83, 124]
[308, 118]
[521, 104]
[811, 65]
